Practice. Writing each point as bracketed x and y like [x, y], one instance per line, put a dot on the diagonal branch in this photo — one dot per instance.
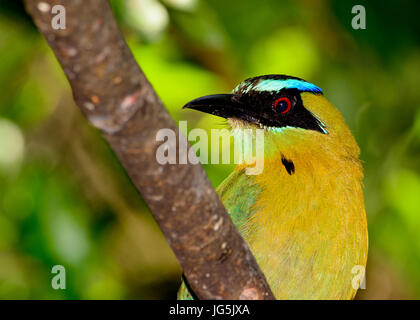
[115, 96]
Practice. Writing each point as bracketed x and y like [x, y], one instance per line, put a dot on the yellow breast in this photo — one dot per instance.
[309, 233]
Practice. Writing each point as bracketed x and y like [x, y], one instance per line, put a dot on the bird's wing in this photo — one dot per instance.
[238, 193]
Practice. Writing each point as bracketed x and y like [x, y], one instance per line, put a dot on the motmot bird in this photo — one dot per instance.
[303, 217]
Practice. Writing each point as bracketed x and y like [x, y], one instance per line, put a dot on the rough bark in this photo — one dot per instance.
[115, 96]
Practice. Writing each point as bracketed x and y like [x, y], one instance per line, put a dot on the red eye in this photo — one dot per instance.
[283, 105]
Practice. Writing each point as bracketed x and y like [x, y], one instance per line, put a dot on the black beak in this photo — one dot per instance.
[222, 105]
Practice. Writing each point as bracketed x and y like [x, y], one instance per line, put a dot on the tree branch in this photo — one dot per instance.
[115, 96]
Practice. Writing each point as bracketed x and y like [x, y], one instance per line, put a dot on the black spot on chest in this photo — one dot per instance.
[288, 164]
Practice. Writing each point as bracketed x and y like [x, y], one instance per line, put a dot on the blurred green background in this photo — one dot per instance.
[64, 199]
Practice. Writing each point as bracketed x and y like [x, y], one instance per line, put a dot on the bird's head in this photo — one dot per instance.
[296, 117]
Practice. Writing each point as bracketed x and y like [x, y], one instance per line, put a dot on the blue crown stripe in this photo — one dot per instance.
[279, 84]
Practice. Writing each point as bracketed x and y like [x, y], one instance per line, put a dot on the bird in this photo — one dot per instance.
[303, 217]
